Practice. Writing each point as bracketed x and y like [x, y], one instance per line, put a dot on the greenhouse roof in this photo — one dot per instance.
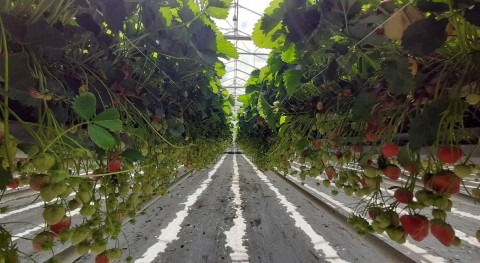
[238, 28]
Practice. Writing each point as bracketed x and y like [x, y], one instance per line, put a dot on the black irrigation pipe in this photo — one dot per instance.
[389, 253]
[69, 254]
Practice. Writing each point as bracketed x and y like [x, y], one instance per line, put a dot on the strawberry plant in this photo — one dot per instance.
[367, 93]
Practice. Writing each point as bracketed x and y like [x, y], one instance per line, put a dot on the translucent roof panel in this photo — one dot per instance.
[238, 28]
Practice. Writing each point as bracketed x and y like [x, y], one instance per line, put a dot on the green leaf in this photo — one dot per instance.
[424, 36]
[213, 86]
[85, 105]
[139, 132]
[244, 99]
[219, 8]
[110, 119]
[101, 137]
[175, 127]
[302, 143]
[398, 76]
[291, 78]
[132, 155]
[166, 15]
[424, 128]
[220, 69]
[289, 55]
[42, 34]
[404, 157]
[363, 107]
[264, 109]
[5, 176]
[283, 128]
[226, 49]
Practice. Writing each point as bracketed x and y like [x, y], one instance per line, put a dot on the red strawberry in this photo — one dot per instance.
[316, 144]
[443, 182]
[371, 136]
[362, 181]
[403, 195]
[449, 154]
[357, 149]
[63, 224]
[13, 184]
[443, 232]
[416, 226]
[102, 258]
[114, 166]
[157, 118]
[412, 169]
[38, 182]
[374, 211]
[285, 164]
[392, 171]
[43, 241]
[389, 150]
[347, 92]
[330, 172]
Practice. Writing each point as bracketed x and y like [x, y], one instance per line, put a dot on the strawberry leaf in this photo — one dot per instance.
[429, 28]
[175, 127]
[424, 128]
[101, 137]
[291, 79]
[398, 76]
[132, 155]
[85, 105]
[109, 119]
[5, 177]
[363, 106]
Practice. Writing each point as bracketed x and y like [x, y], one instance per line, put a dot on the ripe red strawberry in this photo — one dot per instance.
[392, 171]
[316, 144]
[102, 258]
[390, 150]
[63, 224]
[285, 164]
[43, 241]
[13, 184]
[403, 195]
[443, 232]
[357, 149]
[330, 172]
[374, 211]
[411, 168]
[362, 181]
[416, 226]
[347, 92]
[157, 118]
[39, 181]
[443, 182]
[114, 166]
[449, 154]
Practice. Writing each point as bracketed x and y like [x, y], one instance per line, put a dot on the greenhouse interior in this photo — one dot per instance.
[269, 131]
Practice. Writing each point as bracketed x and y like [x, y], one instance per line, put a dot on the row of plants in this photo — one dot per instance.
[359, 92]
[101, 102]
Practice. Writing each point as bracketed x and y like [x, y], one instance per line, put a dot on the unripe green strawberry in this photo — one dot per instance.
[439, 214]
[462, 170]
[59, 188]
[334, 192]
[425, 197]
[66, 235]
[371, 171]
[43, 162]
[88, 210]
[377, 227]
[477, 235]
[43, 241]
[53, 213]
[68, 191]
[384, 220]
[473, 99]
[397, 234]
[73, 204]
[348, 190]
[82, 248]
[83, 197]
[79, 234]
[12, 149]
[99, 247]
[456, 242]
[58, 175]
[476, 193]
[114, 254]
[326, 183]
[47, 193]
[123, 190]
